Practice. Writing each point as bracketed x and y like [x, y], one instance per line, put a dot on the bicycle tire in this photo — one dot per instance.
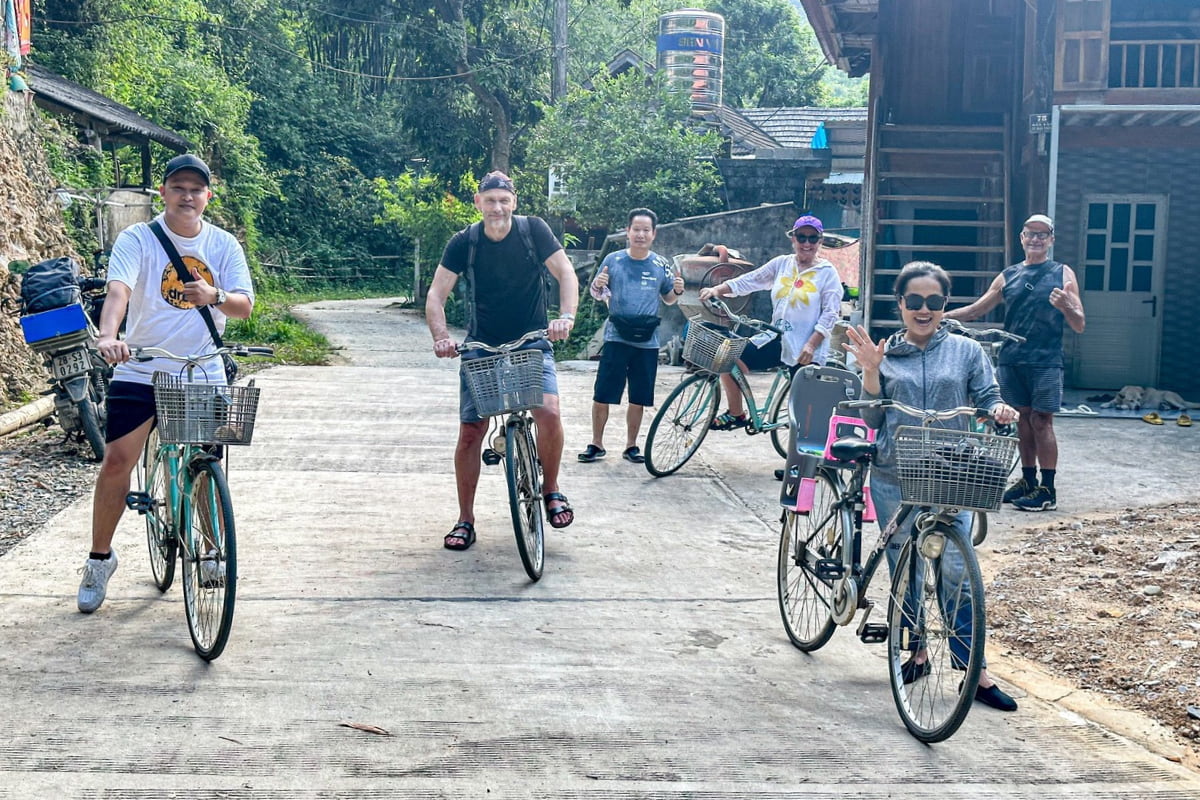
[681, 424]
[208, 526]
[979, 528]
[525, 496]
[162, 539]
[89, 423]
[935, 705]
[781, 436]
[805, 600]
[718, 274]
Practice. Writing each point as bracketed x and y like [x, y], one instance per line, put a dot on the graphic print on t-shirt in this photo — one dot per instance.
[172, 286]
[797, 289]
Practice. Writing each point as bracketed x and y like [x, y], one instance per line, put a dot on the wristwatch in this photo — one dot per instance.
[221, 297]
[569, 315]
[678, 294]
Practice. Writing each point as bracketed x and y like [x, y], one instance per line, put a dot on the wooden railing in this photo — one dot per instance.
[1154, 64]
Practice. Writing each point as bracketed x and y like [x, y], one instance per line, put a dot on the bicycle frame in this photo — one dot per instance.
[758, 414]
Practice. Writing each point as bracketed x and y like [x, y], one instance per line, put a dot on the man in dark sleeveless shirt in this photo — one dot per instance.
[1039, 294]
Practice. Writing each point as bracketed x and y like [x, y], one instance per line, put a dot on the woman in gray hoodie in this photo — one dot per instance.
[924, 366]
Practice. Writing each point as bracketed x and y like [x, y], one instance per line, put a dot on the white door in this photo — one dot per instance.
[1121, 282]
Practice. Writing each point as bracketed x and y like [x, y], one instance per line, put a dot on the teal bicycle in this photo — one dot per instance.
[184, 494]
[686, 415]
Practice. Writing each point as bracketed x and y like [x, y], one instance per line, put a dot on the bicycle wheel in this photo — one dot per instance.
[979, 528]
[806, 600]
[93, 429]
[781, 416]
[680, 425]
[525, 495]
[161, 537]
[209, 559]
[936, 606]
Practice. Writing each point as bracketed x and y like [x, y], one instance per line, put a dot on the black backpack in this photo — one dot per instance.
[50, 284]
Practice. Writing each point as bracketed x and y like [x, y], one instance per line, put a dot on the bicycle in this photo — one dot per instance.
[991, 339]
[510, 382]
[184, 493]
[685, 416]
[822, 580]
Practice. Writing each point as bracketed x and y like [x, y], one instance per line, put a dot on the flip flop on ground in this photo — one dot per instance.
[633, 454]
[560, 509]
[1184, 421]
[460, 537]
[1153, 418]
[592, 453]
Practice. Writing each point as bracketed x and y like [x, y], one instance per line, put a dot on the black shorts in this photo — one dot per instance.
[621, 362]
[767, 357]
[129, 405]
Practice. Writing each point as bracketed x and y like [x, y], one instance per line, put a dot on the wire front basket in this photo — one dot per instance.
[505, 383]
[712, 348]
[953, 468]
[203, 413]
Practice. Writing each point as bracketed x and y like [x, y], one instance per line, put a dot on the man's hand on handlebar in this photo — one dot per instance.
[445, 348]
[559, 329]
[112, 349]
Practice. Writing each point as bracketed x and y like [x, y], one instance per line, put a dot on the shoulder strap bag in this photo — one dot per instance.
[231, 366]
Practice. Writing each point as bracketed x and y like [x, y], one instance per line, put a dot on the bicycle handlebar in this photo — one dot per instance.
[927, 415]
[507, 347]
[717, 306]
[981, 333]
[148, 353]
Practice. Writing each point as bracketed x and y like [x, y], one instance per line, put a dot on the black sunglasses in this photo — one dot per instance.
[800, 237]
[915, 302]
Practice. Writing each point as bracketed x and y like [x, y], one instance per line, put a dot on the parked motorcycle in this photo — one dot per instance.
[60, 313]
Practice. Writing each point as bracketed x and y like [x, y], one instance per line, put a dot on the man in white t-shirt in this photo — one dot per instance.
[162, 313]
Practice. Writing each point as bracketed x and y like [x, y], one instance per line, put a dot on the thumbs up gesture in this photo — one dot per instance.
[601, 281]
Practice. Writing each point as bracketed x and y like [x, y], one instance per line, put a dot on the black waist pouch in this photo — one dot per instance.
[635, 327]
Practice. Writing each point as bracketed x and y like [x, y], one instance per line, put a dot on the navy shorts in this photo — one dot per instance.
[466, 403]
[767, 357]
[129, 405]
[621, 363]
[1032, 386]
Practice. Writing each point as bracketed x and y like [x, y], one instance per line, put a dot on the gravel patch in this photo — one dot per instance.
[40, 475]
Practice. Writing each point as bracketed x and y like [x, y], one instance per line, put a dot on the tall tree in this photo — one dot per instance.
[628, 143]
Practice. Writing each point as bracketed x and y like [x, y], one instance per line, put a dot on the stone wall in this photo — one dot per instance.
[32, 231]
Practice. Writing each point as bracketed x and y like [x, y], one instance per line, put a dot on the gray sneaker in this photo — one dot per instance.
[95, 582]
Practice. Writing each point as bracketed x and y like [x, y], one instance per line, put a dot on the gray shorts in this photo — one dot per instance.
[466, 403]
[1032, 386]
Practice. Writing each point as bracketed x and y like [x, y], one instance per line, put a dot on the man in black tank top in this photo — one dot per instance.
[1039, 295]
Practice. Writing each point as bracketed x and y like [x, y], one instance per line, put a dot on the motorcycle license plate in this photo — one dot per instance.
[75, 362]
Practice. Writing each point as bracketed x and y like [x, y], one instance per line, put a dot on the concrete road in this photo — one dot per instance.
[649, 662]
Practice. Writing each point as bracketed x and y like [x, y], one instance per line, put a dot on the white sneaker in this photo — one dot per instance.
[212, 571]
[95, 581]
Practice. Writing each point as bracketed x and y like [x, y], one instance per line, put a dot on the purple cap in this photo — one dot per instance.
[808, 221]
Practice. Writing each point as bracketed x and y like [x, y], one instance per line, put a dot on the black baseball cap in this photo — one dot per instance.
[187, 161]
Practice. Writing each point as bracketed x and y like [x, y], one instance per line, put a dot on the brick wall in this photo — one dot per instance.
[1174, 172]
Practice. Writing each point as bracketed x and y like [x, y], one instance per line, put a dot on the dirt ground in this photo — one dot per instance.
[1109, 604]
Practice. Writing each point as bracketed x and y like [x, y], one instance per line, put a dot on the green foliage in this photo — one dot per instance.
[628, 143]
[842, 91]
[771, 55]
[419, 208]
[273, 324]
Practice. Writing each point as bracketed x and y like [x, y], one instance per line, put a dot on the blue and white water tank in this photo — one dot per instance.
[691, 48]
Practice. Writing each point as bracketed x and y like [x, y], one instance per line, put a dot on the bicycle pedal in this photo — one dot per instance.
[491, 457]
[829, 569]
[141, 502]
[873, 633]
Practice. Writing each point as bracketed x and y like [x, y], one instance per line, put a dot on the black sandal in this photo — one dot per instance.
[563, 507]
[464, 540]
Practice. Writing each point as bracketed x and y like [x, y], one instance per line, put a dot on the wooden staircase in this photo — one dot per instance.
[941, 195]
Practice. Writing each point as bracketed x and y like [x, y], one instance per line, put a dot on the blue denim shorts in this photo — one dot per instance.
[466, 403]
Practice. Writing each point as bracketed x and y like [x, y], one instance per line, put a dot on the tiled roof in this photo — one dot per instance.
[745, 136]
[794, 127]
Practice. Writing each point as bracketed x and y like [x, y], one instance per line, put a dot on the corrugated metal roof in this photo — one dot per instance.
[795, 126]
[108, 117]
